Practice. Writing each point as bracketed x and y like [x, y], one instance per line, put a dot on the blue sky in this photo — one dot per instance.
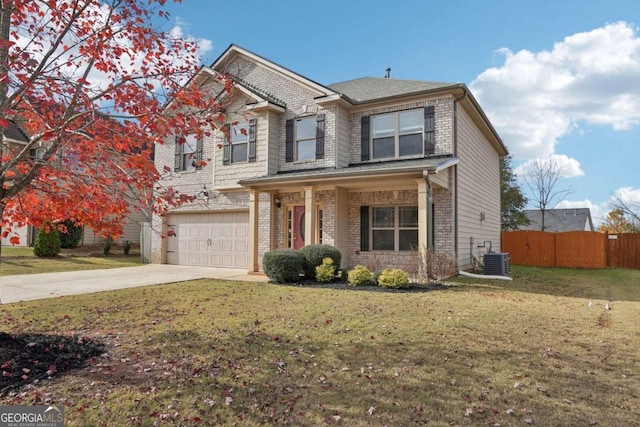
[557, 78]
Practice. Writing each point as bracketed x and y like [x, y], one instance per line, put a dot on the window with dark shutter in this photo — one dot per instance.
[364, 228]
[429, 131]
[226, 145]
[199, 154]
[253, 124]
[288, 156]
[320, 136]
[177, 165]
[364, 138]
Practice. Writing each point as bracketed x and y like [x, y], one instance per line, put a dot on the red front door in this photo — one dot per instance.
[298, 227]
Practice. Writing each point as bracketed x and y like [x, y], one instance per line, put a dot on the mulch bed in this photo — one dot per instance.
[341, 285]
[31, 358]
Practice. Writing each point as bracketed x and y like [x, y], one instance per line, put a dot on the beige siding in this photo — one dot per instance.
[273, 126]
[227, 176]
[21, 232]
[342, 137]
[478, 175]
[131, 230]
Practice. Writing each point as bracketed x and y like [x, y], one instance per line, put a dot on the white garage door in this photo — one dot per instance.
[219, 239]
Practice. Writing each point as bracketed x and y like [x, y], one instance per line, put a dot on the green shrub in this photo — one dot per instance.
[127, 247]
[393, 278]
[315, 254]
[107, 245]
[47, 242]
[284, 265]
[71, 239]
[327, 271]
[359, 276]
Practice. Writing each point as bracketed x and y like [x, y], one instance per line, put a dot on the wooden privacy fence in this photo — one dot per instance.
[574, 249]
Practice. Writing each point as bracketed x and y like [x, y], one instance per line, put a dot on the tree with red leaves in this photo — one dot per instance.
[94, 84]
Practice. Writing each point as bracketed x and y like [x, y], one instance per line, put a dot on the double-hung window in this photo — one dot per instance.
[37, 153]
[239, 138]
[304, 138]
[394, 228]
[398, 134]
[188, 154]
[401, 134]
[305, 143]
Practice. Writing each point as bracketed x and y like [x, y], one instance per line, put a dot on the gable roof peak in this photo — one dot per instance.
[227, 56]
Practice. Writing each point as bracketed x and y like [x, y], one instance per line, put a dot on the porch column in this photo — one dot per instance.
[310, 219]
[254, 204]
[423, 214]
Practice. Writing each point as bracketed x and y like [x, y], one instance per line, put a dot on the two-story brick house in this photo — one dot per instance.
[376, 167]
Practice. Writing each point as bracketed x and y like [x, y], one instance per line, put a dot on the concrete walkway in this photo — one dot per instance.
[27, 287]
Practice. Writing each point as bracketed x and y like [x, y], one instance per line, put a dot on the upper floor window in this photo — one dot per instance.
[240, 142]
[305, 138]
[305, 145]
[37, 153]
[239, 137]
[399, 134]
[188, 154]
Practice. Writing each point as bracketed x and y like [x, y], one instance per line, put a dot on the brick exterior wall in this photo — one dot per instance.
[443, 126]
[225, 192]
[297, 99]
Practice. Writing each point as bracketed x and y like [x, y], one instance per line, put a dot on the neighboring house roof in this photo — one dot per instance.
[576, 219]
[15, 133]
[366, 89]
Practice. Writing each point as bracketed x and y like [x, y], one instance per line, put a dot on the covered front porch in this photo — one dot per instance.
[328, 207]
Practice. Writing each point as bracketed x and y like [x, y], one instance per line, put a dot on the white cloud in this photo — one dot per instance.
[567, 167]
[628, 195]
[589, 78]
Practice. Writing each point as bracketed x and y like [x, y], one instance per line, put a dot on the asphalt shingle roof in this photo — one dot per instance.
[399, 166]
[370, 88]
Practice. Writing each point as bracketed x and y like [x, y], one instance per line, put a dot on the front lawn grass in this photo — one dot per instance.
[21, 260]
[210, 352]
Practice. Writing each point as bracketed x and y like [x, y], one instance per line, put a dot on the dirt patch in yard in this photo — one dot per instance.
[31, 358]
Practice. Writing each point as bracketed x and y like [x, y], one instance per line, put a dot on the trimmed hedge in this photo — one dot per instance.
[47, 242]
[284, 265]
[327, 271]
[393, 278]
[71, 239]
[315, 254]
[359, 276]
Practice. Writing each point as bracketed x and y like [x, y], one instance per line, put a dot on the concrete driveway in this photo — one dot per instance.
[27, 287]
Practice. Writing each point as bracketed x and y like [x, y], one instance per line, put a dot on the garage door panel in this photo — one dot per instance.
[219, 239]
